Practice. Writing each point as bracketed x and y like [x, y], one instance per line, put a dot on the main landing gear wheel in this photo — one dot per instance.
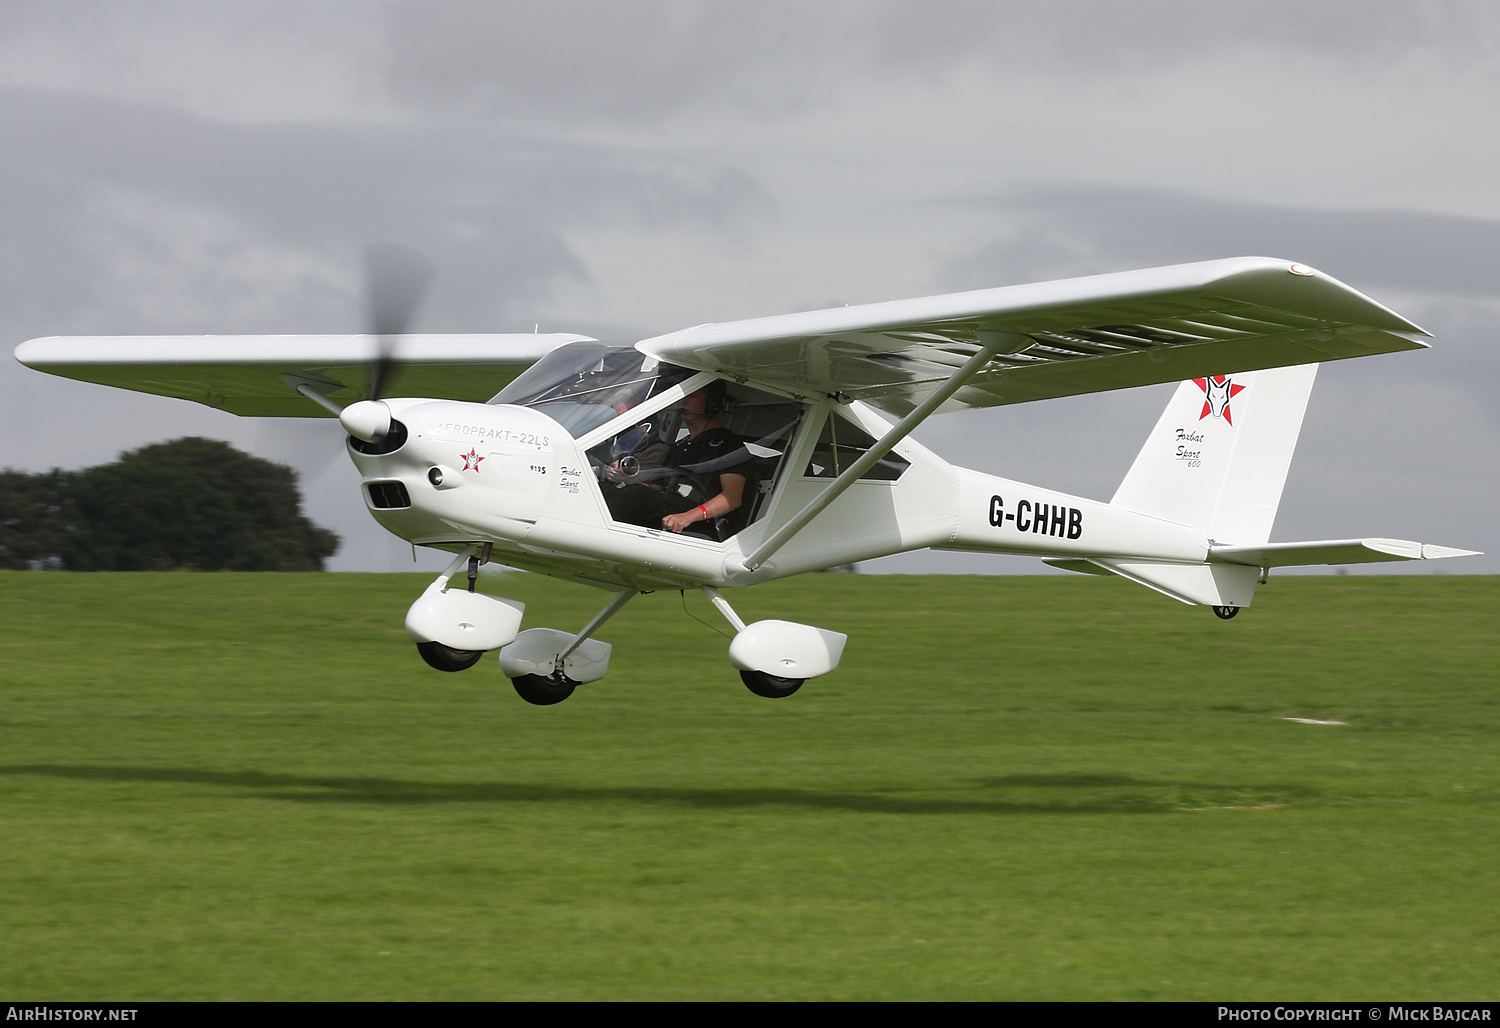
[769, 686]
[446, 658]
[1226, 612]
[544, 691]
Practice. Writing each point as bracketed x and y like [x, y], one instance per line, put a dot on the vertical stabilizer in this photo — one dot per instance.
[1217, 460]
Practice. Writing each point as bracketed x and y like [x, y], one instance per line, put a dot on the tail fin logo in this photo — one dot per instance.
[1217, 392]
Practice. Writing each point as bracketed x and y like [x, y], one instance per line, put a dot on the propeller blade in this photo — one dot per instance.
[396, 277]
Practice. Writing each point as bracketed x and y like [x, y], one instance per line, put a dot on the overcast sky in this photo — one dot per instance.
[624, 169]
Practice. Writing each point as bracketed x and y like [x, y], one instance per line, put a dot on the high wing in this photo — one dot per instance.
[1053, 339]
[258, 375]
[1060, 338]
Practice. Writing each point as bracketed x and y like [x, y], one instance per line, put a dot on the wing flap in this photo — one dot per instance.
[254, 375]
[1077, 335]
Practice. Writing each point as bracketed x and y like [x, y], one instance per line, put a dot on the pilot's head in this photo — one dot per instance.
[707, 402]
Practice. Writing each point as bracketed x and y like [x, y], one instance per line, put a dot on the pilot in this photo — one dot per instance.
[691, 497]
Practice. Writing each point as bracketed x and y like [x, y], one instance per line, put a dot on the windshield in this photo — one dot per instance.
[583, 385]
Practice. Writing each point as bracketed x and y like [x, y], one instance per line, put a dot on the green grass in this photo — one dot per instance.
[248, 786]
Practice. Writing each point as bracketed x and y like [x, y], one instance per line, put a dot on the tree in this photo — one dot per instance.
[187, 504]
[37, 519]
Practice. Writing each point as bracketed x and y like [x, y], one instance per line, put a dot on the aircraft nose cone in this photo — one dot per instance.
[368, 420]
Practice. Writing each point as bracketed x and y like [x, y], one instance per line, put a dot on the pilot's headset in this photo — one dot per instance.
[716, 400]
[714, 404]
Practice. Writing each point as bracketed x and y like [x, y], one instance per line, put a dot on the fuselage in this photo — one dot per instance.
[515, 478]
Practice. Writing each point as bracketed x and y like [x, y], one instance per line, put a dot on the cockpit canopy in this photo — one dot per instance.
[583, 385]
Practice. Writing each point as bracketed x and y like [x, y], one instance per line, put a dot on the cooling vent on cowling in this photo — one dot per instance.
[388, 495]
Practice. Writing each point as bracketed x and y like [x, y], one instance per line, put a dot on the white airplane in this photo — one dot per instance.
[729, 454]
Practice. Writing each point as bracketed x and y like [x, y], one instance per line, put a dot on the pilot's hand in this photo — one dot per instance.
[677, 522]
[624, 469]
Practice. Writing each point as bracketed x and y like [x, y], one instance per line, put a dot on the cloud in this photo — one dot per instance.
[166, 221]
[1044, 229]
[635, 61]
[274, 60]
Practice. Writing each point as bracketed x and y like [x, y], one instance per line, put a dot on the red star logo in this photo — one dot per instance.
[1217, 392]
[471, 460]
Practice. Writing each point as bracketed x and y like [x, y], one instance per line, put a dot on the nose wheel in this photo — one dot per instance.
[1226, 612]
[770, 686]
[446, 658]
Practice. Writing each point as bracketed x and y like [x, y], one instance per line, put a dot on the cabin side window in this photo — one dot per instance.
[840, 444]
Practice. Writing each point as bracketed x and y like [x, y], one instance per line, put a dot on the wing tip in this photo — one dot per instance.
[31, 352]
[1410, 550]
[1393, 323]
[1431, 551]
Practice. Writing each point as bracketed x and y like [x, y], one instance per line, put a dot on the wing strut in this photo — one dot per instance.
[310, 390]
[994, 343]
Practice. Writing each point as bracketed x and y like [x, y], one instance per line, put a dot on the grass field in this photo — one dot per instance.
[248, 786]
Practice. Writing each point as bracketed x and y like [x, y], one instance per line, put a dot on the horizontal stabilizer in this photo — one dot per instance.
[1229, 577]
[1331, 551]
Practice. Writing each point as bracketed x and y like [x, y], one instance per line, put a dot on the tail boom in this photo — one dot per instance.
[998, 515]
